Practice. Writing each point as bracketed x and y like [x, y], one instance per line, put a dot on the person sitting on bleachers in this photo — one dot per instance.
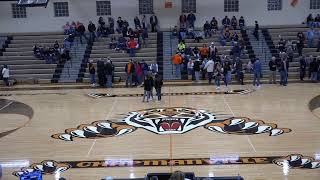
[226, 22]
[66, 28]
[121, 44]
[190, 33]
[234, 23]
[137, 22]
[132, 45]
[234, 38]
[310, 37]
[175, 31]
[198, 35]
[235, 51]
[214, 25]
[213, 51]
[207, 29]
[64, 55]
[130, 33]
[182, 33]
[317, 21]
[81, 31]
[225, 36]
[289, 50]
[310, 21]
[181, 46]
[56, 45]
[241, 22]
[37, 52]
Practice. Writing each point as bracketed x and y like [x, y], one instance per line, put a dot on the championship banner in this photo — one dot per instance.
[168, 4]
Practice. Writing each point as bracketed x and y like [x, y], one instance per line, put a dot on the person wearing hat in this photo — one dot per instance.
[273, 70]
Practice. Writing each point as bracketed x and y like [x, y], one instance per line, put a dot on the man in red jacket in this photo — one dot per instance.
[132, 45]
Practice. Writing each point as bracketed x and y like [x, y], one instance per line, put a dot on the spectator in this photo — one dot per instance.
[154, 68]
[226, 22]
[303, 67]
[92, 31]
[101, 21]
[196, 69]
[198, 35]
[183, 21]
[257, 70]
[300, 45]
[235, 51]
[144, 21]
[214, 24]
[133, 45]
[137, 22]
[238, 69]
[111, 25]
[158, 85]
[318, 46]
[227, 73]
[273, 70]
[213, 51]
[191, 18]
[284, 66]
[148, 84]
[256, 31]
[234, 22]
[5, 75]
[310, 21]
[66, 28]
[154, 23]
[145, 37]
[145, 68]
[139, 73]
[101, 73]
[92, 71]
[81, 30]
[177, 61]
[234, 38]
[314, 70]
[175, 31]
[190, 69]
[281, 45]
[196, 52]
[109, 68]
[56, 45]
[204, 52]
[217, 74]
[209, 67]
[129, 69]
[120, 25]
[181, 46]
[241, 23]
[112, 43]
[310, 36]
[207, 29]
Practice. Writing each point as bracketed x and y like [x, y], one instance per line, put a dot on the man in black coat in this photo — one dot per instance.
[191, 18]
[92, 30]
[153, 22]
[101, 73]
[108, 68]
[303, 66]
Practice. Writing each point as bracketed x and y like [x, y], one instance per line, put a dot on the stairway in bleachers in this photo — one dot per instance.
[261, 50]
[170, 44]
[71, 68]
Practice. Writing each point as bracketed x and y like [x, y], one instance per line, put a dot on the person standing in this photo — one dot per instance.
[154, 23]
[92, 71]
[92, 30]
[109, 68]
[284, 66]
[183, 21]
[209, 67]
[144, 21]
[217, 74]
[196, 69]
[238, 68]
[148, 83]
[273, 70]
[129, 69]
[158, 85]
[303, 67]
[257, 72]
[132, 44]
[101, 73]
[81, 30]
[256, 31]
[314, 70]
[137, 22]
[310, 36]
[177, 60]
[191, 18]
[227, 73]
[6, 75]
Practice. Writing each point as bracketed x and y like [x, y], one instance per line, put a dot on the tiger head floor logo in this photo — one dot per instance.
[171, 120]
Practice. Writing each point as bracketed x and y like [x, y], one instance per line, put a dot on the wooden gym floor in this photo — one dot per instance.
[67, 130]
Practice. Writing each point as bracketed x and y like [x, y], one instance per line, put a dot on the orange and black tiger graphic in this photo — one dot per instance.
[171, 120]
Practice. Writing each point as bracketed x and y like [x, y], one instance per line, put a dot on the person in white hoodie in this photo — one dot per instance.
[209, 66]
[5, 75]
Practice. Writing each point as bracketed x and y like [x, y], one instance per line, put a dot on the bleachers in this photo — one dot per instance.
[290, 33]
[24, 67]
[100, 49]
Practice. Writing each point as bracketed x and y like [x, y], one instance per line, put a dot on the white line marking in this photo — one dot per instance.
[94, 142]
[248, 139]
[6, 105]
